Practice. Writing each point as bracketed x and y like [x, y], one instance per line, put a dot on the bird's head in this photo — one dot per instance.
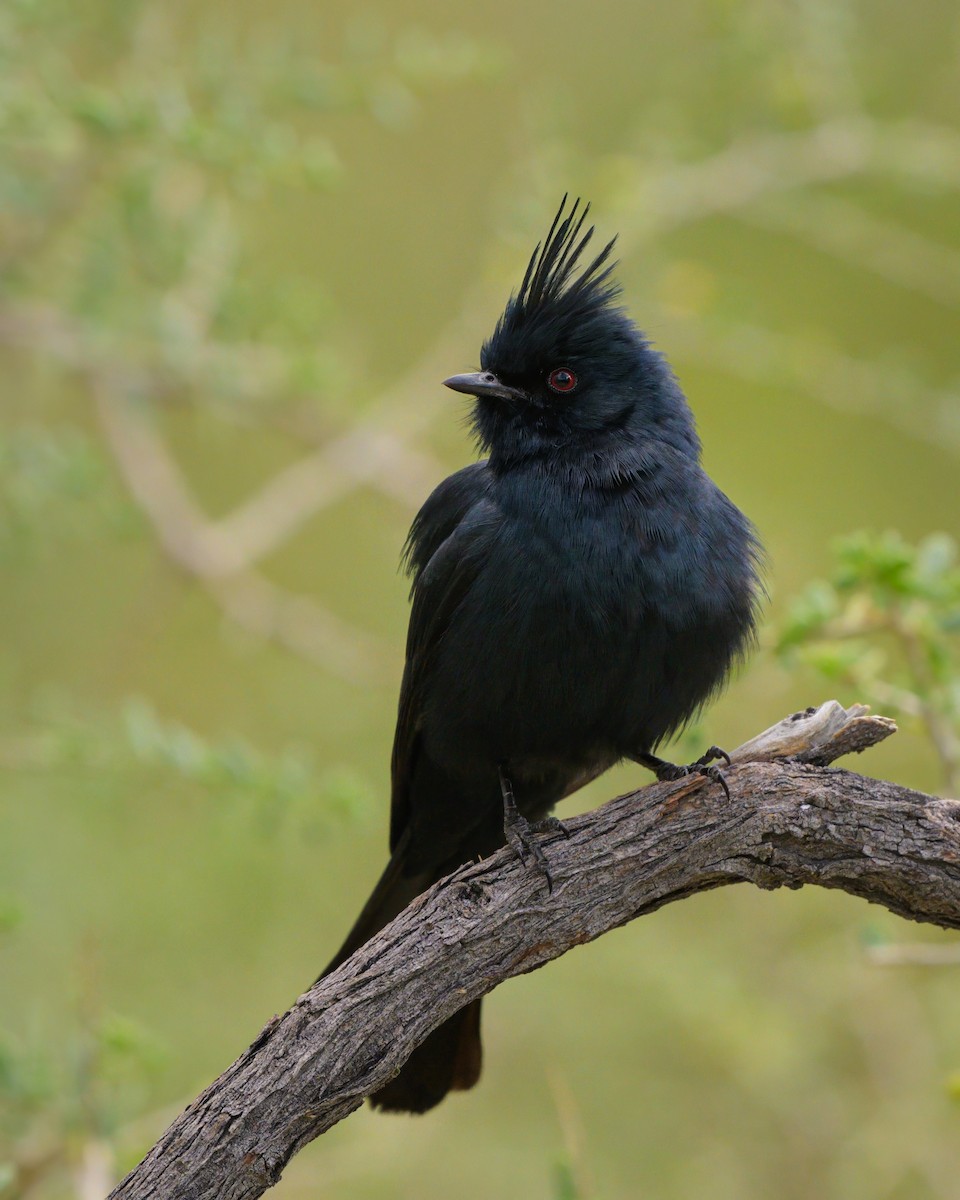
[565, 365]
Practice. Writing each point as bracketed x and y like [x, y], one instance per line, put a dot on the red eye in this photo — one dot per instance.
[562, 380]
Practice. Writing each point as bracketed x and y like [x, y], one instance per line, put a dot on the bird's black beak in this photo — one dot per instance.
[483, 383]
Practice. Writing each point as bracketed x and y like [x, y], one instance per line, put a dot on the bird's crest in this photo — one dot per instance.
[550, 276]
[559, 298]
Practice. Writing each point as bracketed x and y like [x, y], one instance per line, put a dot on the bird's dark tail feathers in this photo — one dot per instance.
[448, 1061]
[450, 1058]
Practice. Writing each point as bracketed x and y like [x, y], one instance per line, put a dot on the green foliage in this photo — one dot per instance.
[55, 485]
[565, 1186]
[85, 1088]
[11, 914]
[113, 1059]
[130, 155]
[886, 626]
[273, 787]
[64, 1097]
[24, 1079]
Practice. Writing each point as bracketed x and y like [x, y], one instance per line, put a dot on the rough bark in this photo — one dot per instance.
[787, 824]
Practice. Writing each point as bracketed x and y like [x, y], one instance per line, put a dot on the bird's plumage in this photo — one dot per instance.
[577, 596]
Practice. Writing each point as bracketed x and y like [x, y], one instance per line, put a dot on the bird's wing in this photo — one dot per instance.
[444, 509]
[445, 552]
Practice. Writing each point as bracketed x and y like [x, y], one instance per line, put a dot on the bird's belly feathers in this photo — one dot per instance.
[581, 644]
[544, 650]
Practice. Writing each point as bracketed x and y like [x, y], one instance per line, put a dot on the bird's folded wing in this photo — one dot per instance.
[458, 549]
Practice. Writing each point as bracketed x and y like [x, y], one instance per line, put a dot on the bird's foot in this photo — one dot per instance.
[704, 765]
[522, 834]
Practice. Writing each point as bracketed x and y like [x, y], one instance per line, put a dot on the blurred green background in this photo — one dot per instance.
[240, 246]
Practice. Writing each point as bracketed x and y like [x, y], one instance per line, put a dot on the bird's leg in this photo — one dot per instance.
[519, 832]
[702, 766]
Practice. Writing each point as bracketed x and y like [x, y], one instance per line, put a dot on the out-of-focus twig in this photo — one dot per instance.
[377, 452]
[915, 954]
[199, 548]
[848, 232]
[755, 167]
[840, 381]
[95, 1172]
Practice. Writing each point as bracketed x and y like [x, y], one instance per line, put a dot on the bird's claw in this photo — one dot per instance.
[714, 773]
[521, 834]
[550, 825]
[704, 765]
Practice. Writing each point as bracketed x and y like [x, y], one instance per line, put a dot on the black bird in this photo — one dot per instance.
[577, 597]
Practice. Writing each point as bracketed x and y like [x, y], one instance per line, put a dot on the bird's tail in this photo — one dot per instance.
[450, 1058]
[395, 889]
[448, 1061]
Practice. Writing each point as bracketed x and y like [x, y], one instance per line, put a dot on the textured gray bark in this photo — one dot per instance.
[787, 824]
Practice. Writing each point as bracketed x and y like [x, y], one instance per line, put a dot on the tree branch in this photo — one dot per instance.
[788, 823]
